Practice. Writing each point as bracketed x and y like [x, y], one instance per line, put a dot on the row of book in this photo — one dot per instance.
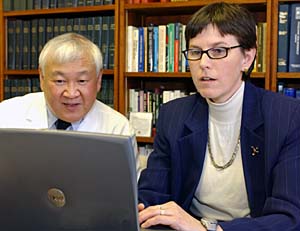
[20, 86]
[11, 5]
[289, 38]
[15, 86]
[156, 48]
[150, 101]
[26, 38]
[288, 90]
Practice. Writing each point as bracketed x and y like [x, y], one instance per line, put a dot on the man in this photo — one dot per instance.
[70, 68]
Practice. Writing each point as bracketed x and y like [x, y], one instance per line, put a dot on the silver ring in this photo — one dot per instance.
[162, 212]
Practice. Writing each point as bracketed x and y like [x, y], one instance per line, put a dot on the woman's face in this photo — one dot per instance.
[218, 79]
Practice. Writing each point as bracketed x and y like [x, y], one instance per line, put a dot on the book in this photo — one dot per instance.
[98, 31]
[155, 49]
[162, 31]
[111, 42]
[141, 50]
[41, 34]
[34, 44]
[105, 40]
[26, 45]
[150, 48]
[8, 5]
[29, 4]
[19, 44]
[130, 48]
[49, 28]
[171, 38]
[177, 46]
[11, 44]
[283, 37]
[19, 5]
[294, 51]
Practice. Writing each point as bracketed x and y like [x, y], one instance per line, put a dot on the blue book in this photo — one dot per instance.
[155, 48]
[294, 58]
[283, 37]
[141, 53]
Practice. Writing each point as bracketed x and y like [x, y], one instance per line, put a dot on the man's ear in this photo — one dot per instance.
[41, 77]
[99, 80]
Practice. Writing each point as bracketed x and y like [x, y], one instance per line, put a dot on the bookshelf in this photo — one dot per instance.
[143, 14]
[50, 14]
[157, 13]
[292, 78]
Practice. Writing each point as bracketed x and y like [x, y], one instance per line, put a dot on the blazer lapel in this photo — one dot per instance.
[192, 148]
[252, 148]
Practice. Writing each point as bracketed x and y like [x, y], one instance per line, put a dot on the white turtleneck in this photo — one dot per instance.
[221, 194]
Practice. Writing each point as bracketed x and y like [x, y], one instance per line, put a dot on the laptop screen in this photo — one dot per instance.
[64, 180]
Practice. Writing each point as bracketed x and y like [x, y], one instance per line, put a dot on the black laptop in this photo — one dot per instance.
[63, 180]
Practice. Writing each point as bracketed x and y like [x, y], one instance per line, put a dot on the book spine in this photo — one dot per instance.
[34, 44]
[171, 37]
[141, 50]
[19, 44]
[105, 40]
[11, 41]
[8, 5]
[155, 48]
[162, 30]
[111, 42]
[294, 57]
[150, 48]
[26, 44]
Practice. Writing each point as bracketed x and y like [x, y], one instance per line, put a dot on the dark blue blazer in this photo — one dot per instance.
[270, 123]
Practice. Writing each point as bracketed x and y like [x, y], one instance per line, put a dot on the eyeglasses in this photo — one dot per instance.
[213, 53]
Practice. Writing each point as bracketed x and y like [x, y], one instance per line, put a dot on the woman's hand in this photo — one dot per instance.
[169, 214]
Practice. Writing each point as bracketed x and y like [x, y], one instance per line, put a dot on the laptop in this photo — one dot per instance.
[64, 180]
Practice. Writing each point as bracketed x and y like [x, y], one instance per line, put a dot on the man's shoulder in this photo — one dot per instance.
[24, 100]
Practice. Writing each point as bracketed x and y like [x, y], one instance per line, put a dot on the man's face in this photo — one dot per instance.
[218, 79]
[70, 88]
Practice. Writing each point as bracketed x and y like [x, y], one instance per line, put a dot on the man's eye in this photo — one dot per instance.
[59, 81]
[82, 81]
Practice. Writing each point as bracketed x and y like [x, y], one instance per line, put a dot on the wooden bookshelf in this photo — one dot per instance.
[80, 11]
[163, 13]
[141, 15]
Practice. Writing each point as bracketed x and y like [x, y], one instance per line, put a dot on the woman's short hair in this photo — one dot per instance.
[229, 19]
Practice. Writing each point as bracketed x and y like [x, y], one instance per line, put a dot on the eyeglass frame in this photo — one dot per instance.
[206, 52]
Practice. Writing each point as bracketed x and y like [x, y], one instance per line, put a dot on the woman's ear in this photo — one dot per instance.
[248, 58]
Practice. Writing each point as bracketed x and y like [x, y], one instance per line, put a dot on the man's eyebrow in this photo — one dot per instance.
[55, 73]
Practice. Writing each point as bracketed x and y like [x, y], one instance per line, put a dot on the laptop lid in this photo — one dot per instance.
[64, 180]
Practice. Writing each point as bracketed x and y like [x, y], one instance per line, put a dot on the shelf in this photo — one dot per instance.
[56, 11]
[254, 75]
[145, 139]
[188, 6]
[288, 75]
[35, 72]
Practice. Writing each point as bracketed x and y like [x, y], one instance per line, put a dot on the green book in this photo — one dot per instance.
[11, 44]
[34, 44]
[111, 42]
[26, 44]
[8, 5]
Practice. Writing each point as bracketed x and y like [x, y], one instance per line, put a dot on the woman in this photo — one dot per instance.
[228, 157]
